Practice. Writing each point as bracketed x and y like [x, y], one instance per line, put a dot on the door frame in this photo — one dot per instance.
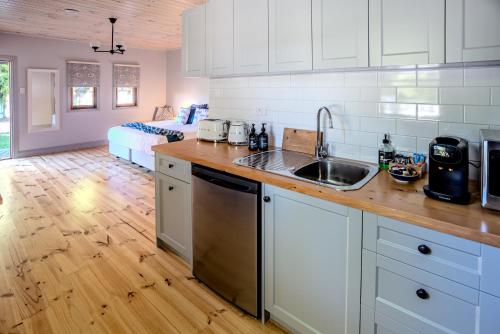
[13, 105]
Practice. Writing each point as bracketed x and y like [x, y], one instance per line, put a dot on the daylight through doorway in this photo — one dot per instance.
[5, 112]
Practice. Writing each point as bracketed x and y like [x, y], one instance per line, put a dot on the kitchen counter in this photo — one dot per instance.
[381, 196]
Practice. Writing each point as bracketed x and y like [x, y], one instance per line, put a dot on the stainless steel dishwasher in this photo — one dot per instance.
[226, 236]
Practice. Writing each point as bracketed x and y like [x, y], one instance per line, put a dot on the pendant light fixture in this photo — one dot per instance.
[118, 48]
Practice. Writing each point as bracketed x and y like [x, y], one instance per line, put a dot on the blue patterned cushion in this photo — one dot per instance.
[172, 135]
[201, 113]
[182, 115]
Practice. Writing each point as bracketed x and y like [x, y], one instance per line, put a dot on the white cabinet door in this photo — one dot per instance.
[173, 214]
[290, 42]
[312, 262]
[220, 43]
[251, 40]
[340, 33]
[193, 42]
[407, 32]
[472, 30]
[489, 315]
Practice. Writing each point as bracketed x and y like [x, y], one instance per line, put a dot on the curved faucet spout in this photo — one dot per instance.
[321, 149]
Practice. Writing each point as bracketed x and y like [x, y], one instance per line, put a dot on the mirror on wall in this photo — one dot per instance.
[43, 100]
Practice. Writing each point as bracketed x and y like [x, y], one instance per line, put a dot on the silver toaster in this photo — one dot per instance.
[490, 169]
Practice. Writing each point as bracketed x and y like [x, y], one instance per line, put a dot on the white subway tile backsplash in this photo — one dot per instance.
[417, 95]
[486, 76]
[466, 131]
[361, 108]
[444, 113]
[482, 115]
[416, 128]
[361, 138]
[375, 124]
[474, 153]
[378, 94]
[465, 95]
[334, 79]
[414, 106]
[441, 77]
[361, 79]
[495, 96]
[397, 78]
[394, 110]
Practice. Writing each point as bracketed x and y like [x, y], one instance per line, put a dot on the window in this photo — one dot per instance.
[126, 96]
[83, 98]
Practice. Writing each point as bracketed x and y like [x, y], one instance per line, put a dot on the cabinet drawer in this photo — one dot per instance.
[376, 323]
[423, 301]
[445, 255]
[174, 167]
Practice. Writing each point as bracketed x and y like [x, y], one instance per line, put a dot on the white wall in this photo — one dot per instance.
[82, 126]
[413, 106]
[183, 91]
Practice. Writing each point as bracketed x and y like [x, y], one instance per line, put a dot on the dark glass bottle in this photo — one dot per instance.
[263, 138]
[253, 139]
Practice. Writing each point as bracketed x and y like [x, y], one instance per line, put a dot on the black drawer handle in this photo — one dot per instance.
[422, 294]
[170, 188]
[267, 199]
[170, 165]
[424, 249]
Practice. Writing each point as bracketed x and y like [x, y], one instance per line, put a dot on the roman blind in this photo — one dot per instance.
[126, 75]
[83, 74]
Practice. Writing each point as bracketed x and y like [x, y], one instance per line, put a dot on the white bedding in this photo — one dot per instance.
[140, 141]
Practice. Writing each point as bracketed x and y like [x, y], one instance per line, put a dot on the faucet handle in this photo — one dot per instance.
[322, 151]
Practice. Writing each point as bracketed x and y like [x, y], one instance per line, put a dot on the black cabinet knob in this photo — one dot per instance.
[170, 188]
[170, 165]
[422, 294]
[424, 249]
[267, 199]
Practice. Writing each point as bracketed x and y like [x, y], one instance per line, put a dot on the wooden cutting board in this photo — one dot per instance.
[300, 140]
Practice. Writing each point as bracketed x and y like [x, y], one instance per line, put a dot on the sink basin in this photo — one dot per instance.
[341, 174]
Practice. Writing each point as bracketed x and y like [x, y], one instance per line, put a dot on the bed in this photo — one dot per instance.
[135, 146]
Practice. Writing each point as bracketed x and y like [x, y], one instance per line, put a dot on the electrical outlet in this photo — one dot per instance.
[261, 111]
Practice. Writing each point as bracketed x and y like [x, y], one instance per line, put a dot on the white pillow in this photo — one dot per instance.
[182, 115]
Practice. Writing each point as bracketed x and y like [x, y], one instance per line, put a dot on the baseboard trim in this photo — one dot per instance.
[58, 149]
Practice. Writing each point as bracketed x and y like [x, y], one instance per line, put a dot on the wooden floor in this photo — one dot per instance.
[77, 254]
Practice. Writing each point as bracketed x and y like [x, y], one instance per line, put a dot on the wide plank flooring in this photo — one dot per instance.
[77, 254]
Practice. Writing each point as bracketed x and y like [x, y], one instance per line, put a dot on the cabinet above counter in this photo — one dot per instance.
[381, 196]
[245, 37]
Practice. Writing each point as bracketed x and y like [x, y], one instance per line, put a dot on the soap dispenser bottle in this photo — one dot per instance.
[385, 153]
[253, 140]
[263, 138]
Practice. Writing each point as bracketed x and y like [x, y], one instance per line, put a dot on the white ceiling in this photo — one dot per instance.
[145, 24]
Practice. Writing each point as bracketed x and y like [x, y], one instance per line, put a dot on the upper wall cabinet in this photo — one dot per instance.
[251, 36]
[407, 32]
[340, 33]
[193, 42]
[220, 39]
[472, 30]
[290, 43]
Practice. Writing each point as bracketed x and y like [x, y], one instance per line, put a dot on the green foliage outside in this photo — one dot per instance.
[4, 140]
[4, 83]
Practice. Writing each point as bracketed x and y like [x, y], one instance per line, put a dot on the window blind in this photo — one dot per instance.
[126, 75]
[83, 74]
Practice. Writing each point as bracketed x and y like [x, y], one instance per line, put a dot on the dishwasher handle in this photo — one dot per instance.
[225, 180]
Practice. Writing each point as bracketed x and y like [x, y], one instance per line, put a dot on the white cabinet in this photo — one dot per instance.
[472, 30]
[251, 42]
[220, 39]
[290, 42]
[407, 32]
[312, 262]
[193, 42]
[173, 205]
[340, 33]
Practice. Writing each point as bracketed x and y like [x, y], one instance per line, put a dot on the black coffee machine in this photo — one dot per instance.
[449, 170]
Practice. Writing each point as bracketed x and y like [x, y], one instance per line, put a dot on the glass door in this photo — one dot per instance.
[5, 112]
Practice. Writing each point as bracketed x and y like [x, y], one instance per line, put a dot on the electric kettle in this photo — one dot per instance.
[238, 133]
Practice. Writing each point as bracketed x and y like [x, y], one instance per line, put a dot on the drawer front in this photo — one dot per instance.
[448, 256]
[424, 304]
[376, 323]
[174, 167]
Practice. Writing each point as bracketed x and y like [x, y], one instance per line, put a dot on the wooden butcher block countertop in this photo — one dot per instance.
[381, 196]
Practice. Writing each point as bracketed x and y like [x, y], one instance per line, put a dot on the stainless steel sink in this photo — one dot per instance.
[332, 172]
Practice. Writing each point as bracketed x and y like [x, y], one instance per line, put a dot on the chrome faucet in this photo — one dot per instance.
[322, 149]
